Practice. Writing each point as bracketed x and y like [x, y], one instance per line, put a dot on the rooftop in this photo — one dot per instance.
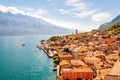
[77, 62]
[77, 70]
[116, 69]
[65, 55]
[64, 62]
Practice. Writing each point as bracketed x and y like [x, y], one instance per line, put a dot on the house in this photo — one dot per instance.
[58, 43]
[72, 46]
[92, 48]
[79, 50]
[103, 47]
[91, 43]
[114, 74]
[93, 62]
[118, 38]
[64, 64]
[65, 56]
[77, 63]
[76, 74]
[99, 54]
[111, 40]
[113, 57]
[52, 43]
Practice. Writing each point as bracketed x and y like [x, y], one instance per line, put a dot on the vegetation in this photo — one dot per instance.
[56, 59]
[58, 77]
[94, 31]
[115, 29]
[54, 38]
[67, 37]
[66, 50]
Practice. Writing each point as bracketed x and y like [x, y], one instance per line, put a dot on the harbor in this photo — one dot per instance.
[44, 46]
[49, 52]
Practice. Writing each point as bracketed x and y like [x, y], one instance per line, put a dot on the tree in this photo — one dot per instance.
[54, 38]
[56, 59]
[66, 50]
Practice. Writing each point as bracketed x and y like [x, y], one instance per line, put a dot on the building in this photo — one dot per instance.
[77, 74]
[114, 74]
[76, 33]
[77, 52]
[111, 40]
[99, 54]
[65, 56]
[77, 63]
[93, 62]
[64, 64]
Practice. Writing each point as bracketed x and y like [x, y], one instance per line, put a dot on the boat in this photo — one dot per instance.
[23, 44]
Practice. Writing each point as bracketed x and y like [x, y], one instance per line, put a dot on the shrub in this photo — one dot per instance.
[66, 50]
[56, 59]
[54, 38]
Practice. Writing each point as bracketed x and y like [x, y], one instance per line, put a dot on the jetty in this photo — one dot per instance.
[43, 45]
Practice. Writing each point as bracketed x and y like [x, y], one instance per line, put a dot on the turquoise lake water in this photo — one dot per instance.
[19, 62]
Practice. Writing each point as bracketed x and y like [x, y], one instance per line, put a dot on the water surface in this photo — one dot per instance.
[19, 62]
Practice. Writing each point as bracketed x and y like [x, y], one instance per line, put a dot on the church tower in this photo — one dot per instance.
[76, 32]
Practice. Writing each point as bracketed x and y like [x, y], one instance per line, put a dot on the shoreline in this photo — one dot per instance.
[50, 55]
[40, 46]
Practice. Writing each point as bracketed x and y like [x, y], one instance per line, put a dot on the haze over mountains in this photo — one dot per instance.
[108, 24]
[17, 24]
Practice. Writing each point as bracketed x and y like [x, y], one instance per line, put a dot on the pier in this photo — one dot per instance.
[43, 46]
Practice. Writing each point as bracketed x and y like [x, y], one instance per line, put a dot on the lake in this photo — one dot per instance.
[19, 62]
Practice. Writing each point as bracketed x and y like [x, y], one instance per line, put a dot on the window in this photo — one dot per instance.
[79, 79]
[67, 79]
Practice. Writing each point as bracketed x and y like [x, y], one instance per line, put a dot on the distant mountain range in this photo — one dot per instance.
[17, 24]
[108, 24]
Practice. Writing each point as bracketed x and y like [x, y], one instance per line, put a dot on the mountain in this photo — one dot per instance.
[115, 20]
[17, 24]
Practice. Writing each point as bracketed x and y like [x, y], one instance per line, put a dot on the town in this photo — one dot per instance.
[93, 55]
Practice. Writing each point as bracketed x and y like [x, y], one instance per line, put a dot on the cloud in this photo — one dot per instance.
[101, 16]
[76, 3]
[63, 11]
[13, 10]
[78, 9]
[72, 25]
[26, 11]
[83, 14]
[39, 12]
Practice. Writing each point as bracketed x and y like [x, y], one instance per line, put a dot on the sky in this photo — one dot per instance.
[83, 15]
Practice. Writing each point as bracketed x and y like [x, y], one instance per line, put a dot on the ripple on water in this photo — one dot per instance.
[24, 63]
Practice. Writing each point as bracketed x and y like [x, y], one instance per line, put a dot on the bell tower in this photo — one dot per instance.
[76, 32]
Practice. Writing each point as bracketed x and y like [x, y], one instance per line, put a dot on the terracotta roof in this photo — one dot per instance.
[77, 70]
[91, 59]
[116, 69]
[112, 56]
[91, 43]
[64, 62]
[97, 53]
[77, 62]
[65, 55]
[80, 49]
